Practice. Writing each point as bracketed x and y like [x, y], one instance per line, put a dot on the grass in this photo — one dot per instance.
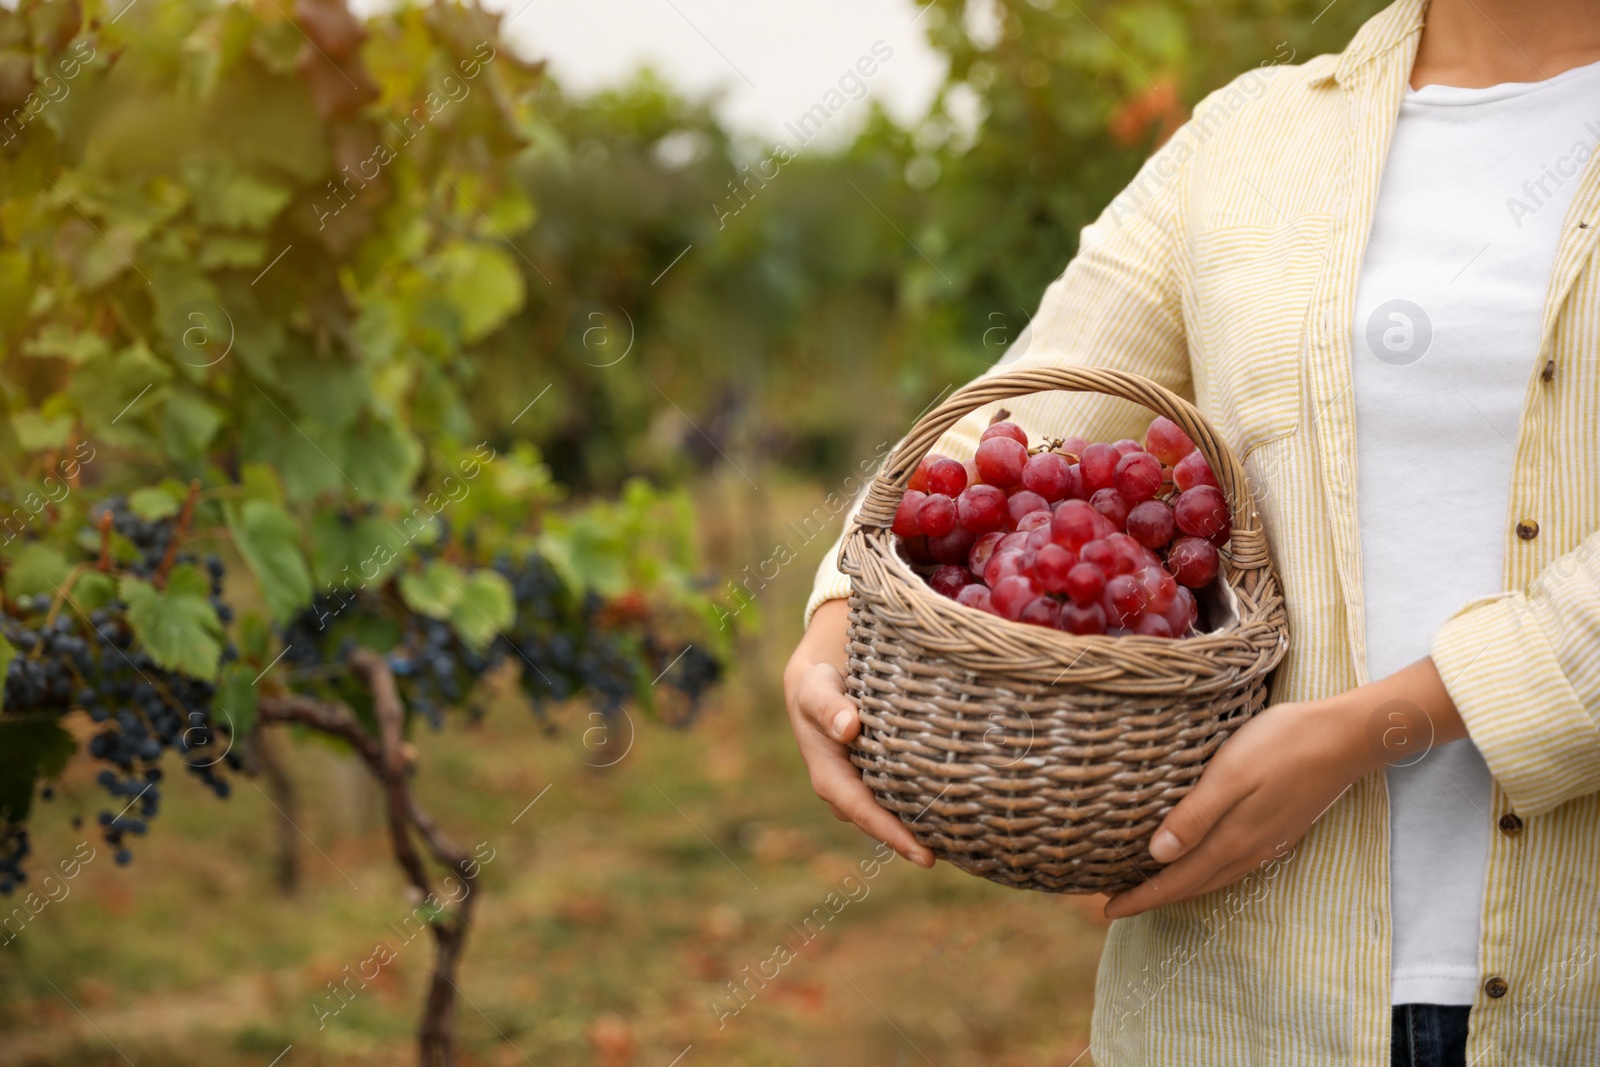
[613, 915]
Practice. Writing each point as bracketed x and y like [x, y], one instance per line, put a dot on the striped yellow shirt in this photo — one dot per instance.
[1227, 271]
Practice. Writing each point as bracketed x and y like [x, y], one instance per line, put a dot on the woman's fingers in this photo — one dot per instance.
[825, 719]
[837, 782]
[1211, 843]
[823, 703]
[1187, 824]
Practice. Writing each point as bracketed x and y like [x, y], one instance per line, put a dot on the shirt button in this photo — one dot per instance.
[1527, 529]
[1510, 824]
[1496, 987]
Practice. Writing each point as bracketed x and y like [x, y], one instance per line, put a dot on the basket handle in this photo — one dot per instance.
[1248, 546]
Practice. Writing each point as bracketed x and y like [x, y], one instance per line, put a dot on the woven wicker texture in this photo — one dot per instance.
[1031, 757]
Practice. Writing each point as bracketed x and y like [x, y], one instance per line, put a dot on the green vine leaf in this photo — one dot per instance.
[177, 625]
[29, 751]
[434, 590]
[266, 537]
[484, 606]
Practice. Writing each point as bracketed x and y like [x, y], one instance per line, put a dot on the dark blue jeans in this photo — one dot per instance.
[1429, 1035]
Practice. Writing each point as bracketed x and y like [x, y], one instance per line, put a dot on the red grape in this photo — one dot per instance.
[1021, 503]
[1110, 503]
[1085, 582]
[1158, 587]
[948, 580]
[1101, 555]
[976, 596]
[1098, 467]
[1003, 565]
[1130, 554]
[1000, 461]
[947, 477]
[981, 508]
[971, 467]
[1012, 594]
[905, 515]
[952, 547]
[1150, 523]
[1013, 542]
[1202, 512]
[1138, 476]
[1075, 490]
[1083, 619]
[1051, 567]
[1041, 611]
[1166, 441]
[1127, 446]
[919, 477]
[1193, 470]
[982, 549]
[1126, 594]
[1112, 612]
[1041, 534]
[1151, 624]
[1183, 612]
[936, 515]
[1048, 474]
[1074, 524]
[1004, 429]
[1193, 561]
[1034, 521]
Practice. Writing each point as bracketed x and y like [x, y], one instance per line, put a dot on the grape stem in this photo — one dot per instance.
[62, 592]
[387, 757]
[104, 563]
[178, 534]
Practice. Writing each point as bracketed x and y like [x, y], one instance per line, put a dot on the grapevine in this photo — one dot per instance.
[67, 658]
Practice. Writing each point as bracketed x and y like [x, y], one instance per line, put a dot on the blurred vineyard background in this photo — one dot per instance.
[683, 349]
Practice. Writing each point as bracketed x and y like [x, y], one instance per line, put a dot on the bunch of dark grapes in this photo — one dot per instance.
[562, 644]
[92, 663]
[1086, 538]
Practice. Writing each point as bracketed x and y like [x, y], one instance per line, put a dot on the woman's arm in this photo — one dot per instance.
[1524, 668]
[1269, 782]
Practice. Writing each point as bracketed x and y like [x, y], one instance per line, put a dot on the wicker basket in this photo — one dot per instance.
[1031, 757]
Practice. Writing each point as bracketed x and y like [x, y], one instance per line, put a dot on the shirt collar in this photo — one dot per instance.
[1386, 30]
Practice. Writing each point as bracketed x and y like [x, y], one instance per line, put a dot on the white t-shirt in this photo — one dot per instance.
[1445, 344]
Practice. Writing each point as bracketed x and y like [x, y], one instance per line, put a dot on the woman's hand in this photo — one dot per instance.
[1269, 782]
[823, 718]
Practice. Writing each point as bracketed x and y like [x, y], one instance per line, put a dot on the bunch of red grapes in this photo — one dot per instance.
[1087, 538]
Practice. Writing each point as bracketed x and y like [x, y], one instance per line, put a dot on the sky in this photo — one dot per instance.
[773, 58]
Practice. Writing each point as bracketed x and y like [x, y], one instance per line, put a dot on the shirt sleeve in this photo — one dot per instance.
[1117, 305]
[1524, 671]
